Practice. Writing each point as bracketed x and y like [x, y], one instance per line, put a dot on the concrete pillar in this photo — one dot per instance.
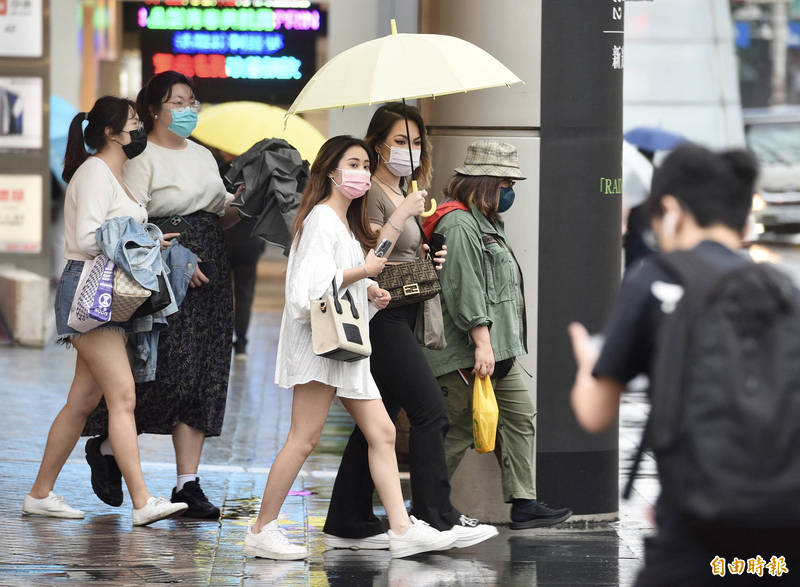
[566, 124]
[582, 59]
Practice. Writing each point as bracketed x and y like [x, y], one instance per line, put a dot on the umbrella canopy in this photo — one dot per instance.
[401, 66]
[651, 138]
[236, 126]
[637, 175]
[61, 114]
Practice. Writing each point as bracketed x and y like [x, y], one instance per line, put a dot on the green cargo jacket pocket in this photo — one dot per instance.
[501, 279]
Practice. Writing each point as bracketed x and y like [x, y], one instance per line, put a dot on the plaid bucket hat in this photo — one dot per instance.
[491, 158]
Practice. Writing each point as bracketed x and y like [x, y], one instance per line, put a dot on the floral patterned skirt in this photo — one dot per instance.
[194, 351]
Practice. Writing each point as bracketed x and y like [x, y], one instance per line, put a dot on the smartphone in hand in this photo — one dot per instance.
[382, 247]
[209, 269]
[174, 223]
[436, 243]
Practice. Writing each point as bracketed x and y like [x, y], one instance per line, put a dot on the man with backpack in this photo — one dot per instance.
[719, 338]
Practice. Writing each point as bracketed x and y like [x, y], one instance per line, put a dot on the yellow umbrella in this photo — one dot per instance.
[400, 66]
[236, 126]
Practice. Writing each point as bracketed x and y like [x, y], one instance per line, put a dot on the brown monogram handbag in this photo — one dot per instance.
[409, 283]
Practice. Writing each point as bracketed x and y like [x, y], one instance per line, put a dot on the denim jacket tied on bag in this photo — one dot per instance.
[181, 263]
[134, 248]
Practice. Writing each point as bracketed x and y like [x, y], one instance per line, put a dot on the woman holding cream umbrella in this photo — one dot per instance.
[442, 65]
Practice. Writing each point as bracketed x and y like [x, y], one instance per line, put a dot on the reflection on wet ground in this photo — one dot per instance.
[103, 549]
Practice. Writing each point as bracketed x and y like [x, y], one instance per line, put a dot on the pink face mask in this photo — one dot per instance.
[355, 182]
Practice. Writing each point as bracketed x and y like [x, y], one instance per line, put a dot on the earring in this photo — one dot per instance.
[156, 116]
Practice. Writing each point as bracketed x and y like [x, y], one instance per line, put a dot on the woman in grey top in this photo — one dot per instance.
[397, 364]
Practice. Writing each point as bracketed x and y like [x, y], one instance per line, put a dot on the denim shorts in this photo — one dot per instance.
[65, 292]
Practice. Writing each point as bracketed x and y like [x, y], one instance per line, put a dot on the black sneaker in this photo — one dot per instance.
[534, 514]
[106, 476]
[199, 506]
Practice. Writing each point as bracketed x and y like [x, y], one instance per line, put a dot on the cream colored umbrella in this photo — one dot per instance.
[399, 67]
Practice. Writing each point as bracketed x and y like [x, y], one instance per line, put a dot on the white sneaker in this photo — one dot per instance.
[376, 542]
[157, 508]
[419, 537]
[272, 543]
[53, 505]
[468, 532]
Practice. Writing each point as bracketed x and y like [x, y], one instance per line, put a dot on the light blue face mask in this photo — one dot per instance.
[183, 122]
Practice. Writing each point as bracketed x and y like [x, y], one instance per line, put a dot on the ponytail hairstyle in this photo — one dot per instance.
[108, 112]
[319, 188]
[157, 91]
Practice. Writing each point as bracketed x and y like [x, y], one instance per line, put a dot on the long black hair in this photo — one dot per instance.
[108, 111]
[157, 91]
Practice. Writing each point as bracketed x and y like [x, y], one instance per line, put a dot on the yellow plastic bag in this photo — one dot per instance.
[484, 414]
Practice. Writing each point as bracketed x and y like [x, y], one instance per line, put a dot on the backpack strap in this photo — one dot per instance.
[692, 271]
[637, 460]
[698, 275]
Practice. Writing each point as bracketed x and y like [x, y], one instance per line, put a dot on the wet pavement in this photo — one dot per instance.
[103, 549]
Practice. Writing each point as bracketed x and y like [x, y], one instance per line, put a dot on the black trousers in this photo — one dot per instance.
[683, 553]
[405, 381]
[244, 253]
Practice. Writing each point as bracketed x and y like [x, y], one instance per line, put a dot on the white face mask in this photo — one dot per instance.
[399, 163]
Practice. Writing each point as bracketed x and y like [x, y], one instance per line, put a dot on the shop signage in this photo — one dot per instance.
[20, 28]
[235, 50]
[20, 213]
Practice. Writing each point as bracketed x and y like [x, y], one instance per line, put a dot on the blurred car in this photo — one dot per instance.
[773, 134]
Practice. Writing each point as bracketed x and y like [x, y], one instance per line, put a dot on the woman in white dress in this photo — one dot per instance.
[331, 223]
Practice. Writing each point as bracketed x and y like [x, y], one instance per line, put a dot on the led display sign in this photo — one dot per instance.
[234, 49]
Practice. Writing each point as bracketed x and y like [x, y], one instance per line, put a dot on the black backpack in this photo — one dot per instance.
[725, 390]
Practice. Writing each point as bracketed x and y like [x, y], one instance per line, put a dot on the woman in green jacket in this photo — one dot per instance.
[483, 303]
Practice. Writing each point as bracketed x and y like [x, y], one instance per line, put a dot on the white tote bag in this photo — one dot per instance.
[91, 305]
[339, 328]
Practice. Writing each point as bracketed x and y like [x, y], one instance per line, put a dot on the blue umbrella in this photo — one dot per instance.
[651, 138]
[61, 114]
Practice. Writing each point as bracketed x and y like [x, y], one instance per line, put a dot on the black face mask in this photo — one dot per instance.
[137, 144]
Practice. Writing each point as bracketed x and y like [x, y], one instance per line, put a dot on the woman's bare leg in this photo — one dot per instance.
[378, 429]
[310, 406]
[105, 354]
[84, 395]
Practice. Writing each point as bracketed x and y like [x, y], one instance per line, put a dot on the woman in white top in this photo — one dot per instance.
[177, 177]
[331, 223]
[96, 193]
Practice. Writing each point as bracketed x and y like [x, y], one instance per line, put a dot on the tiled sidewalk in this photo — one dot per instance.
[103, 549]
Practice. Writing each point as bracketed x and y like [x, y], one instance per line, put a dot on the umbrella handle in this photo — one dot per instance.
[430, 210]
